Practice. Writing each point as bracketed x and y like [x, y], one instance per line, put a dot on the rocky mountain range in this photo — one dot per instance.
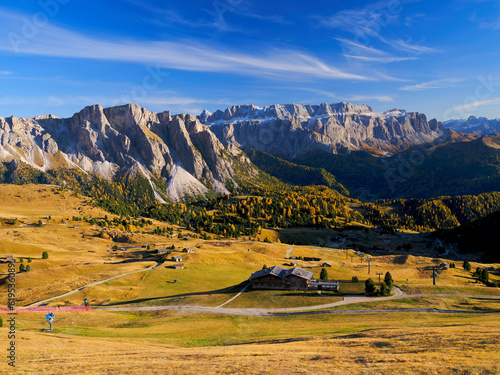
[183, 155]
[294, 129]
[474, 125]
[176, 149]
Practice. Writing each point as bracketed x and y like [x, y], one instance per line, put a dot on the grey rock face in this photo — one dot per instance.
[105, 141]
[294, 129]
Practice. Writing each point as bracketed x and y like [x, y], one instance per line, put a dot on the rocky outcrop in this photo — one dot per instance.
[294, 129]
[105, 141]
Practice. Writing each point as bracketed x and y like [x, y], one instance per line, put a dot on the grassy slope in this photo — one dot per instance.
[154, 342]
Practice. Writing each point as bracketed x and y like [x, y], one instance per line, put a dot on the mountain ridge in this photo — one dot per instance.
[183, 156]
[294, 129]
[475, 125]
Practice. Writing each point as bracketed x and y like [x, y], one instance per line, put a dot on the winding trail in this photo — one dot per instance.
[93, 284]
[236, 296]
[308, 310]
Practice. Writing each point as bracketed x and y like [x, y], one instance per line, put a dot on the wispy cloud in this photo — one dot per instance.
[387, 59]
[269, 18]
[323, 93]
[495, 25]
[6, 73]
[369, 26]
[436, 84]
[409, 21]
[407, 46]
[170, 17]
[214, 15]
[359, 48]
[476, 104]
[367, 98]
[348, 98]
[367, 20]
[186, 55]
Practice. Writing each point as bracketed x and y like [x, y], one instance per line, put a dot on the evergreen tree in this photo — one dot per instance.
[466, 266]
[389, 281]
[323, 274]
[370, 287]
[264, 267]
[28, 268]
[478, 273]
[354, 279]
[384, 289]
[29, 260]
[21, 260]
[485, 276]
[22, 268]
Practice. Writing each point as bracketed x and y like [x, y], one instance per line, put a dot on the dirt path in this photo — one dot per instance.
[236, 296]
[348, 300]
[280, 312]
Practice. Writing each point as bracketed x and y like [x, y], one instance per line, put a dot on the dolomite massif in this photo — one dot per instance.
[196, 155]
[293, 130]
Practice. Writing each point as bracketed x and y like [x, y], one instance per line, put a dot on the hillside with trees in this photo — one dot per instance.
[458, 167]
[293, 173]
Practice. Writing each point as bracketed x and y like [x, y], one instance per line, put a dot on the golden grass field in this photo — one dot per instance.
[175, 342]
[172, 343]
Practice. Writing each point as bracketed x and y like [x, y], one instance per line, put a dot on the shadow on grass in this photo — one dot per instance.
[230, 290]
[465, 277]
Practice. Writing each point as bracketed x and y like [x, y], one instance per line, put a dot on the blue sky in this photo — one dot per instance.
[436, 57]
